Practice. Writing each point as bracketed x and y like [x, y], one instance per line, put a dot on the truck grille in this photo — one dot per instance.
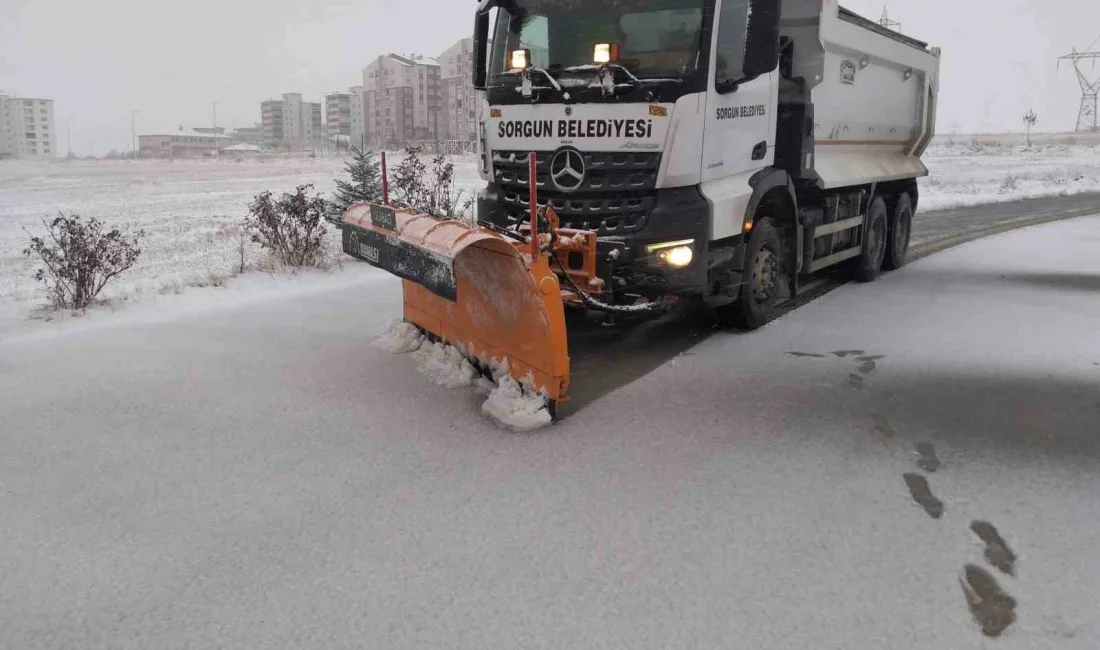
[618, 191]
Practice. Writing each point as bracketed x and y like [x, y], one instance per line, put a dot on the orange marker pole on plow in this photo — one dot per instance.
[532, 169]
[385, 182]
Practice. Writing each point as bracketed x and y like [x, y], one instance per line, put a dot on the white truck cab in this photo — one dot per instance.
[720, 149]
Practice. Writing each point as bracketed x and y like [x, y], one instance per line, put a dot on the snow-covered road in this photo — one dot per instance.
[257, 475]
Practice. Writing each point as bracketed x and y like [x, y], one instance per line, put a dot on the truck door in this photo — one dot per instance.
[739, 127]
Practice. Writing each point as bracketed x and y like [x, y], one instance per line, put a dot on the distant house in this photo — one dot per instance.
[240, 150]
[185, 143]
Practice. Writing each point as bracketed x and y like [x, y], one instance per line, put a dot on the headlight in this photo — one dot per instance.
[676, 254]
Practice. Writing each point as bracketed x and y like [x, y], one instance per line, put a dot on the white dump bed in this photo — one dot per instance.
[873, 92]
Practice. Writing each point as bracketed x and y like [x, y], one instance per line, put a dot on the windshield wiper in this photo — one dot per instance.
[527, 89]
[605, 77]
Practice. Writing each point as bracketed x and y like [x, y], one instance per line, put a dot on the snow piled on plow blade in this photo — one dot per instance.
[511, 403]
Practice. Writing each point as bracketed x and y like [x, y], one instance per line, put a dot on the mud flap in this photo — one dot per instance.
[472, 288]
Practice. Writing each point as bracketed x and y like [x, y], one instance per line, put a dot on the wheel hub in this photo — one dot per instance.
[764, 272]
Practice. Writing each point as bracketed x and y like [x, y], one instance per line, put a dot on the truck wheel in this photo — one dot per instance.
[762, 277]
[868, 266]
[898, 232]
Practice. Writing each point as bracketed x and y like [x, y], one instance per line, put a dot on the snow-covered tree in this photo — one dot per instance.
[365, 185]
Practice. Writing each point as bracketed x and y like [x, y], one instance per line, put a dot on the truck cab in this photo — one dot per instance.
[719, 149]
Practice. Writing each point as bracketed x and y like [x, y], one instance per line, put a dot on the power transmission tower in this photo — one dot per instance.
[887, 23]
[1090, 89]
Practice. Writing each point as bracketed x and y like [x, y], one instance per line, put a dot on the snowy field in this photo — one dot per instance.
[189, 209]
[257, 474]
[990, 171]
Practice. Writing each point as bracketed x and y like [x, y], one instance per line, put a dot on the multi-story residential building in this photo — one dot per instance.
[184, 143]
[358, 137]
[338, 116]
[402, 100]
[313, 125]
[273, 121]
[27, 128]
[291, 123]
[462, 105]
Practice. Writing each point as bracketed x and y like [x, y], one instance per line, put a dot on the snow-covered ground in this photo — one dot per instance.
[189, 209]
[258, 474]
[988, 171]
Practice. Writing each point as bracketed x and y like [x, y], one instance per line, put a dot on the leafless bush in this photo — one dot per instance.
[80, 258]
[1009, 183]
[430, 190]
[292, 228]
[1059, 179]
[171, 286]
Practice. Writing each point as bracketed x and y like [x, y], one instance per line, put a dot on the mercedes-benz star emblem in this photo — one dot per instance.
[567, 170]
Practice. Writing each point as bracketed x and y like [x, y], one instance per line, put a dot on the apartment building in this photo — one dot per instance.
[338, 115]
[291, 123]
[27, 128]
[358, 137]
[462, 105]
[402, 100]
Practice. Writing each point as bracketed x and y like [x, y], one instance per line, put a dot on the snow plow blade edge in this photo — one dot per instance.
[472, 288]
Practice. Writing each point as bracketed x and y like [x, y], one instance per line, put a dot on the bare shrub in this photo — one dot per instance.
[1009, 183]
[1058, 179]
[429, 190]
[292, 228]
[80, 258]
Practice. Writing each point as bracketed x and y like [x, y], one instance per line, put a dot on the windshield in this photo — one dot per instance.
[658, 39]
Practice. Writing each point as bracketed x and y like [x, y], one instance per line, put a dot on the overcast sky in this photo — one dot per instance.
[102, 59]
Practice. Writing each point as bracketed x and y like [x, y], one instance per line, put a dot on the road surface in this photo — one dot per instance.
[259, 476]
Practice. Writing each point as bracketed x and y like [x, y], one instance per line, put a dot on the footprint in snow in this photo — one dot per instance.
[922, 494]
[882, 426]
[991, 607]
[807, 354]
[926, 457]
[996, 549]
[867, 367]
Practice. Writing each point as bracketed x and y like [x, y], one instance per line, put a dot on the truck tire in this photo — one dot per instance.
[898, 231]
[868, 265]
[756, 305]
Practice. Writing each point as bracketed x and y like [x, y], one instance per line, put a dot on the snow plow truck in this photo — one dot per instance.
[637, 153]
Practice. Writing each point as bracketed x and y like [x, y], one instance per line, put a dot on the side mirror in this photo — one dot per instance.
[762, 39]
[481, 49]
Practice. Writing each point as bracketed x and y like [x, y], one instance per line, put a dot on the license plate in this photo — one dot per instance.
[383, 216]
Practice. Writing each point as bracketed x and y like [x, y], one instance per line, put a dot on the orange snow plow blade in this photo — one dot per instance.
[472, 288]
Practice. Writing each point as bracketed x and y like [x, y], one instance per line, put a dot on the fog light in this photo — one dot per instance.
[678, 257]
[676, 254]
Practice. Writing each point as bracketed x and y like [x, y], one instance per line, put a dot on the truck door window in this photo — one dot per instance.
[730, 49]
